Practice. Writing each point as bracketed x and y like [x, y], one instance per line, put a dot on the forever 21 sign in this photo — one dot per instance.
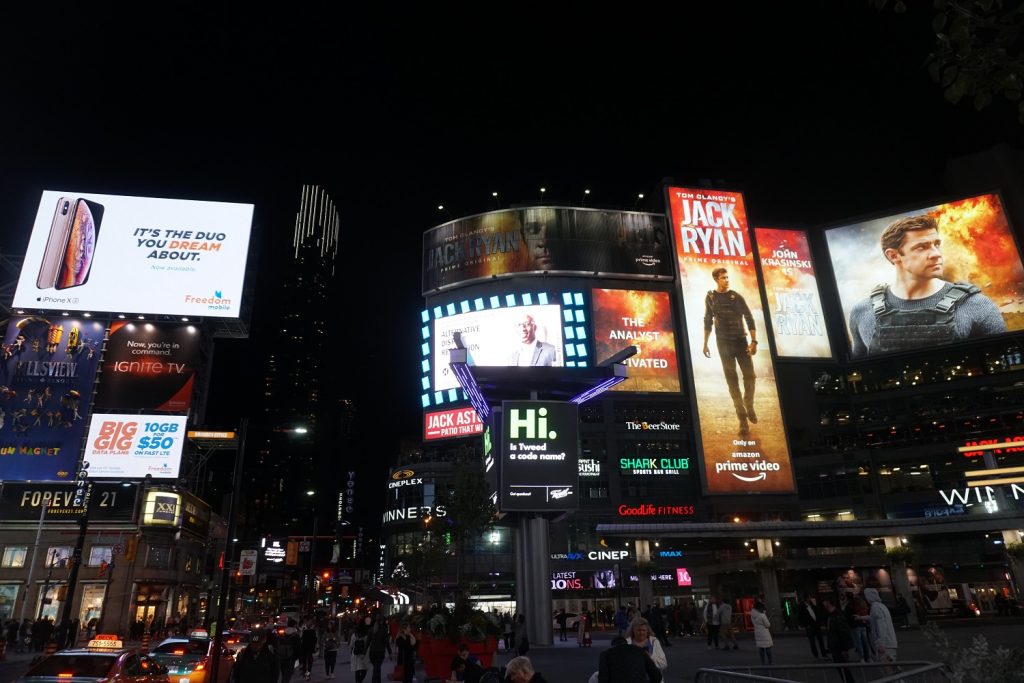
[26, 502]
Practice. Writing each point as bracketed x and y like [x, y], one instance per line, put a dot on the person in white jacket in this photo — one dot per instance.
[762, 632]
[883, 634]
[640, 635]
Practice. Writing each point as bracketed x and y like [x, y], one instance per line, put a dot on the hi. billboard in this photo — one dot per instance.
[628, 317]
[931, 276]
[741, 430]
[96, 252]
[46, 378]
[149, 367]
[539, 456]
[794, 304]
[539, 240]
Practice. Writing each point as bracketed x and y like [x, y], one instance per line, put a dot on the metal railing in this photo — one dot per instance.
[851, 672]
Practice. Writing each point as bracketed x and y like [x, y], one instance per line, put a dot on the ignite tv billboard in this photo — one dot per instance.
[524, 336]
[794, 304]
[927, 277]
[541, 240]
[46, 378]
[132, 446]
[539, 456]
[149, 367]
[741, 430]
[96, 252]
[627, 317]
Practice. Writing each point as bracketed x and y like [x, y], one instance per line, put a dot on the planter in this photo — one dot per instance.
[437, 654]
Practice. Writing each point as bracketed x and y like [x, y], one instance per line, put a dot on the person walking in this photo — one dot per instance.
[256, 663]
[812, 620]
[623, 663]
[762, 632]
[840, 640]
[289, 646]
[883, 635]
[330, 648]
[711, 622]
[640, 636]
[309, 643]
[728, 633]
[522, 640]
[562, 618]
[359, 647]
[621, 620]
[380, 642]
[507, 630]
[857, 615]
[407, 644]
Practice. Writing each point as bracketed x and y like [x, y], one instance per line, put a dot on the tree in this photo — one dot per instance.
[467, 501]
[977, 50]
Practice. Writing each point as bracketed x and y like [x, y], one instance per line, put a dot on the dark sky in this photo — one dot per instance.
[817, 110]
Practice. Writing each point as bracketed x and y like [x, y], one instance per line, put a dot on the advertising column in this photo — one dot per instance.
[741, 431]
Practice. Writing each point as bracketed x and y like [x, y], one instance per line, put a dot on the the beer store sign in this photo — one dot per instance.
[55, 502]
[654, 466]
[653, 426]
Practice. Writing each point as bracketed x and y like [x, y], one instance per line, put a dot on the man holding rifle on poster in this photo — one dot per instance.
[726, 311]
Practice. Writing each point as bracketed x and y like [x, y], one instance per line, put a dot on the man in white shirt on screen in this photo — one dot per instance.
[531, 352]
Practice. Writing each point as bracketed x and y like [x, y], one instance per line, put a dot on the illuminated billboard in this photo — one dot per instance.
[627, 317]
[541, 240]
[149, 367]
[46, 378]
[442, 320]
[539, 456]
[931, 276]
[794, 304]
[161, 508]
[741, 432]
[132, 446]
[449, 424]
[95, 252]
[527, 336]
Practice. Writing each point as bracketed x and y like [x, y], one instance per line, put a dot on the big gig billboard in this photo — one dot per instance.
[741, 431]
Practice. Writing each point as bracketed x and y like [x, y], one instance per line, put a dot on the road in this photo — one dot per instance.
[568, 663]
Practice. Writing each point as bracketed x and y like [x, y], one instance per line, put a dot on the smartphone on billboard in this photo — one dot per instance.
[56, 243]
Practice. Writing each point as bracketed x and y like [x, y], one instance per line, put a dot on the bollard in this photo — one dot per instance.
[144, 648]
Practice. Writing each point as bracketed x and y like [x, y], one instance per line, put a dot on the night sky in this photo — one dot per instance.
[816, 110]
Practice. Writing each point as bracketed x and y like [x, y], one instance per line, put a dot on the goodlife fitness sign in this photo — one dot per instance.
[450, 424]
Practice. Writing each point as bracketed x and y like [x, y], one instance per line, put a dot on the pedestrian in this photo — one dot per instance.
[308, 644]
[380, 642]
[657, 620]
[289, 646]
[857, 615]
[359, 646]
[623, 663]
[520, 670]
[725, 621]
[12, 636]
[903, 610]
[711, 622]
[762, 632]
[522, 639]
[561, 619]
[507, 630]
[330, 648]
[25, 635]
[840, 640]
[255, 663]
[883, 635]
[406, 644]
[621, 620]
[812, 621]
[640, 636]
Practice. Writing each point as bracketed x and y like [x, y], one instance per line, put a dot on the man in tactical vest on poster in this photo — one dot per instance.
[726, 311]
[920, 309]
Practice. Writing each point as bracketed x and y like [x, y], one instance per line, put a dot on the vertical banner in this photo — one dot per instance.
[794, 304]
[47, 368]
[741, 431]
[625, 317]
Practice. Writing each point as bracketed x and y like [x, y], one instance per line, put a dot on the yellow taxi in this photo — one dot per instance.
[104, 660]
[189, 659]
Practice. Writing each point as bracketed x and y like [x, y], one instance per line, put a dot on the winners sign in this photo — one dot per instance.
[539, 456]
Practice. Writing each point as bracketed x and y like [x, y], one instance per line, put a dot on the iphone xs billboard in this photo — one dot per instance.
[96, 252]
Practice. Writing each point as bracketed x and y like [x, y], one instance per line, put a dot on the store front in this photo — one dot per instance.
[92, 602]
[8, 598]
[150, 603]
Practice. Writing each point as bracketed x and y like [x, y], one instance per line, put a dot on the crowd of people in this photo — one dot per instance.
[32, 635]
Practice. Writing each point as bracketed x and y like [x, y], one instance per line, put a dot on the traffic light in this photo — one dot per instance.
[327, 576]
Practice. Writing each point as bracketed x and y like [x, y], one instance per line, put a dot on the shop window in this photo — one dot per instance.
[14, 556]
[158, 557]
[58, 556]
[8, 596]
[99, 554]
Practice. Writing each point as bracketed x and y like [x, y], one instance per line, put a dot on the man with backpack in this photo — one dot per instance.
[256, 663]
[289, 645]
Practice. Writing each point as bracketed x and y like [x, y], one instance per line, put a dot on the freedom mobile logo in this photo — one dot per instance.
[215, 303]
